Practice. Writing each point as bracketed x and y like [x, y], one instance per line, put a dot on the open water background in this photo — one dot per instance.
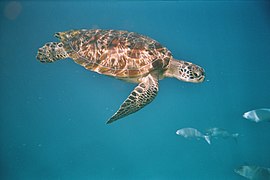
[52, 116]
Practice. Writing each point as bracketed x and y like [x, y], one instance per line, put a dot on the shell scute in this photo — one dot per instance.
[116, 53]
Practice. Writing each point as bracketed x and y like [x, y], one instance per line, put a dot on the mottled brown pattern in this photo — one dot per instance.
[115, 53]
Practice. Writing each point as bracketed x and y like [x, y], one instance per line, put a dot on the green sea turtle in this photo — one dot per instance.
[124, 55]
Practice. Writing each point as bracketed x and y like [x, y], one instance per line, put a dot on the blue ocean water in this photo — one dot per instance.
[52, 116]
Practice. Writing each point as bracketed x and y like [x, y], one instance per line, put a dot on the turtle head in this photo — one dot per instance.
[185, 71]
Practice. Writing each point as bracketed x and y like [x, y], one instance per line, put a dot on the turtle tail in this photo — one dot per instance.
[51, 52]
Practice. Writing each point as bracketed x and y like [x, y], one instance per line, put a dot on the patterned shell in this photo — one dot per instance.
[115, 53]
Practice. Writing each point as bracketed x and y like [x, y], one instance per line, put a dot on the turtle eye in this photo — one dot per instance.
[197, 74]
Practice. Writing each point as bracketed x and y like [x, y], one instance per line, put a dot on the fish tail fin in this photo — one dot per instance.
[51, 52]
[235, 137]
[207, 139]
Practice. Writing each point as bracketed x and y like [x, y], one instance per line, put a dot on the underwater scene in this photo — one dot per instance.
[135, 90]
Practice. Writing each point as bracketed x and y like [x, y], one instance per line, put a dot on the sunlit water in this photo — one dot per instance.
[53, 116]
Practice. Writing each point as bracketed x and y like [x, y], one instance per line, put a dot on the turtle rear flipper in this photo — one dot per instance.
[51, 52]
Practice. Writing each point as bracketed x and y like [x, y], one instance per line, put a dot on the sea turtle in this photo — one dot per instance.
[124, 55]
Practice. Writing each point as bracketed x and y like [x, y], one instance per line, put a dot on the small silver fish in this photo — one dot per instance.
[192, 133]
[253, 172]
[219, 132]
[258, 115]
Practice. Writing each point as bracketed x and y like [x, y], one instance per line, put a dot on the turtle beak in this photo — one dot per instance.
[202, 76]
[198, 75]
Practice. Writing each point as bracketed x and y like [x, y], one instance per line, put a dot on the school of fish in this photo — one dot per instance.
[251, 172]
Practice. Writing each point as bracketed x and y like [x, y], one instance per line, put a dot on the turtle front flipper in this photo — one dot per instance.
[142, 95]
[51, 52]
